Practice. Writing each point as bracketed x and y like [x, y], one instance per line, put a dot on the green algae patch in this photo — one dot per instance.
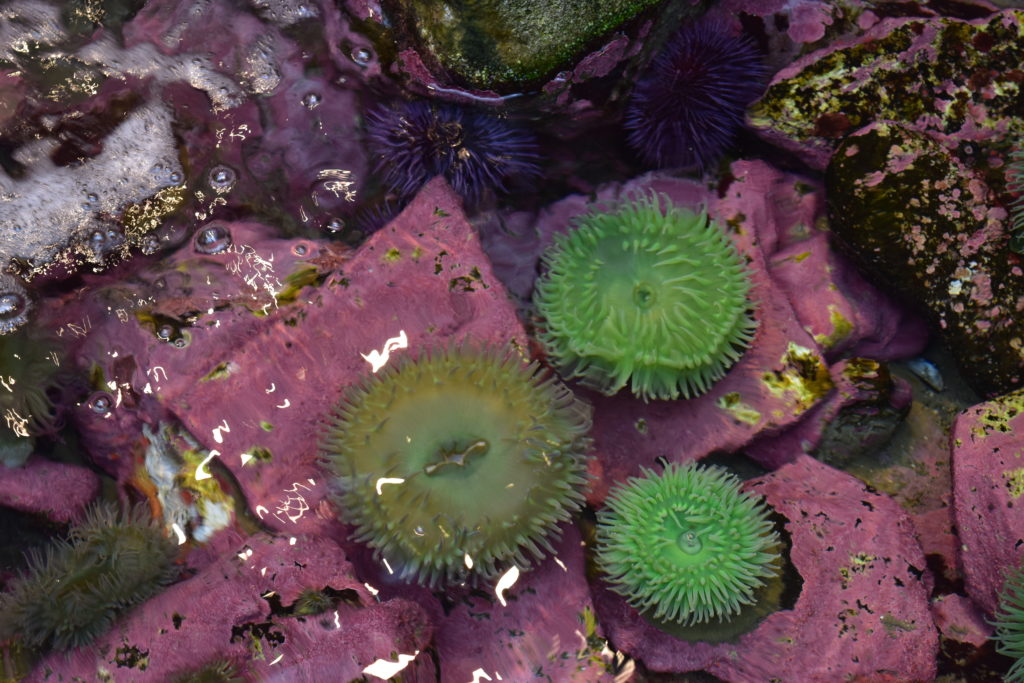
[220, 371]
[740, 411]
[503, 45]
[307, 276]
[803, 379]
[392, 255]
[995, 415]
[841, 329]
[1014, 482]
[950, 75]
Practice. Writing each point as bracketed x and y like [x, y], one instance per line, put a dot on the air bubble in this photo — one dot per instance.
[165, 332]
[101, 403]
[213, 239]
[312, 100]
[362, 56]
[176, 177]
[180, 343]
[300, 250]
[92, 197]
[334, 225]
[222, 178]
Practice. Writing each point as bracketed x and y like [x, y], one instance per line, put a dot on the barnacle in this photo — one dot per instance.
[1009, 624]
[656, 299]
[73, 591]
[465, 458]
[686, 546]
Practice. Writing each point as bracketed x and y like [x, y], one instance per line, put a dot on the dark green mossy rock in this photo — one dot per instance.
[938, 75]
[502, 44]
[926, 228]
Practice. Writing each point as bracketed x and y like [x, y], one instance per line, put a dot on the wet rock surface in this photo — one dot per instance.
[917, 219]
[956, 80]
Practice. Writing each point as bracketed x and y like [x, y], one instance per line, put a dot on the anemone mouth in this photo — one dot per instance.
[688, 545]
[464, 458]
[656, 299]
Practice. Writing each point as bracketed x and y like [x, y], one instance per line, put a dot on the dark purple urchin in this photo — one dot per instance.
[411, 142]
[691, 101]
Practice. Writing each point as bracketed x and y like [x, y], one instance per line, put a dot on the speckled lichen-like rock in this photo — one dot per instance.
[502, 44]
[922, 223]
[954, 79]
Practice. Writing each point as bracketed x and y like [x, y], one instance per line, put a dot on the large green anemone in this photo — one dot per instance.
[686, 546]
[465, 458]
[73, 592]
[1009, 624]
[650, 297]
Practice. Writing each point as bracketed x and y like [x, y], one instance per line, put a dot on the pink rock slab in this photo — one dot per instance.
[863, 606]
[959, 619]
[57, 490]
[417, 283]
[212, 616]
[988, 481]
[546, 629]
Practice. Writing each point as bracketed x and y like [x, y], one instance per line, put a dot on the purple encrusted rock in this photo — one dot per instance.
[863, 603]
[225, 612]
[59, 491]
[546, 628]
[988, 482]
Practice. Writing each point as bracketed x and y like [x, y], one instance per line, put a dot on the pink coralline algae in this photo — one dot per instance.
[988, 481]
[252, 589]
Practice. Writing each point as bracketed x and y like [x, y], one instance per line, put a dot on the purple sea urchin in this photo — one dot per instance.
[687, 545]
[464, 458]
[689, 104]
[411, 142]
[73, 592]
[656, 299]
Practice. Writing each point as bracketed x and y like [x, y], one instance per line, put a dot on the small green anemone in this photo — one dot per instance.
[73, 592]
[462, 459]
[656, 299]
[1009, 624]
[686, 546]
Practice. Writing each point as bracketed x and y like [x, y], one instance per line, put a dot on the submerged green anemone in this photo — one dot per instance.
[686, 546]
[73, 592]
[29, 368]
[656, 299]
[461, 459]
[1009, 624]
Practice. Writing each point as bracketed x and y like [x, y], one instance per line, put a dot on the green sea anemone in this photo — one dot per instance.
[463, 459]
[73, 592]
[29, 369]
[656, 299]
[1009, 624]
[686, 546]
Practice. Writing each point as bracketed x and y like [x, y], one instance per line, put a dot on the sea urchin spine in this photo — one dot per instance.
[688, 106]
[464, 458]
[411, 142]
[655, 299]
[687, 546]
